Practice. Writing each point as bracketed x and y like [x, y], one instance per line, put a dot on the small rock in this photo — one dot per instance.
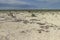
[41, 23]
[23, 32]
[46, 31]
[25, 21]
[39, 31]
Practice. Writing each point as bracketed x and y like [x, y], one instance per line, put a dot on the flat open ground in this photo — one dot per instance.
[27, 25]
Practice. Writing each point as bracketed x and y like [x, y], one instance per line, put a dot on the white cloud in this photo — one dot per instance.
[13, 2]
[50, 0]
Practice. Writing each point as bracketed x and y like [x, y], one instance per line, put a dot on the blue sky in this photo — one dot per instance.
[29, 4]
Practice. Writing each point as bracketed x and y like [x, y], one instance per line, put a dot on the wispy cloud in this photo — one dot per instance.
[49, 0]
[13, 2]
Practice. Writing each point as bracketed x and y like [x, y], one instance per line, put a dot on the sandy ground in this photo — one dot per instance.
[24, 26]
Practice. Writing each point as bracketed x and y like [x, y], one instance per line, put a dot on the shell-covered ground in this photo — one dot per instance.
[23, 25]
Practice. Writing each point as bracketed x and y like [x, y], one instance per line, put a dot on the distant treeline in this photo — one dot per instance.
[31, 10]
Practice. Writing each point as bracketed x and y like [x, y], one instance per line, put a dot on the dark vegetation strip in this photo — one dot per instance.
[33, 10]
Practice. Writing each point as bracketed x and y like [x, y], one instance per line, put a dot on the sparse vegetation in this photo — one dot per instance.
[33, 15]
[23, 26]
